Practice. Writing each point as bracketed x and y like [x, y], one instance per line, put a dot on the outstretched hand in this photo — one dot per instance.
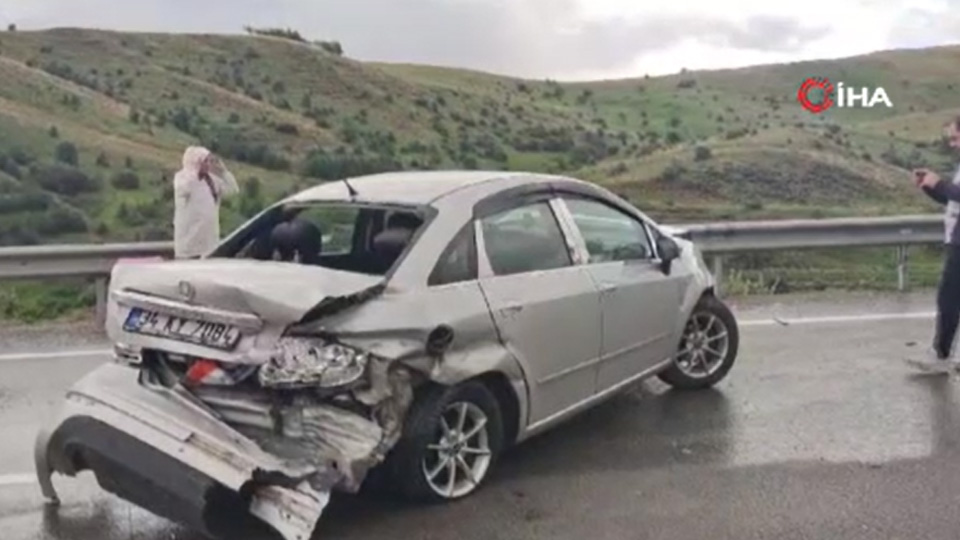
[925, 178]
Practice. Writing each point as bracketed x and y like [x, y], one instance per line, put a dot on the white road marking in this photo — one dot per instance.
[81, 353]
[781, 321]
[17, 479]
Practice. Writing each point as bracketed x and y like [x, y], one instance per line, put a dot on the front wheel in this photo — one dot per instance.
[707, 349]
[451, 441]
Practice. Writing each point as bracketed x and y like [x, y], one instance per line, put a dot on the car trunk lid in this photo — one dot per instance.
[274, 291]
[224, 309]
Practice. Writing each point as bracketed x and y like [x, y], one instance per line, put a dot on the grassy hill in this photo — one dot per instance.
[93, 124]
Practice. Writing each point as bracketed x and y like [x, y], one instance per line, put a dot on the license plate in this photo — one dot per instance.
[206, 333]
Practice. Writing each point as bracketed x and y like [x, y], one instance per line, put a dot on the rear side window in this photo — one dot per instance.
[525, 239]
[338, 225]
[458, 262]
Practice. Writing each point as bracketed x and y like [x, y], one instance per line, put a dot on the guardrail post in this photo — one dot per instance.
[718, 273]
[902, 256]
[100, 286]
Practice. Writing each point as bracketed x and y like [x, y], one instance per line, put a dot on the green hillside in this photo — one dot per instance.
[93, 124]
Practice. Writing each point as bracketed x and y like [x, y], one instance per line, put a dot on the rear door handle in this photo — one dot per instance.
[510, 309]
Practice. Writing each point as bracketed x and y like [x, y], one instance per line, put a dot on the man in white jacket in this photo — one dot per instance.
[198, 189]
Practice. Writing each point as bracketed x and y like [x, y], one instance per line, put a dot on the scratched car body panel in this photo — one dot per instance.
[398, 329]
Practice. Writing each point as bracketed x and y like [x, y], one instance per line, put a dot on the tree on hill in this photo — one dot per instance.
[67, 153]
[285, 33]
[332, 47]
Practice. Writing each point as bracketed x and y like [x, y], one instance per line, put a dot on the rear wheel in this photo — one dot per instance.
[707, 349]
[451, 441]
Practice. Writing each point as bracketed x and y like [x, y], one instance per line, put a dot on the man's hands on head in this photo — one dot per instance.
[215, 164]
[211, 164]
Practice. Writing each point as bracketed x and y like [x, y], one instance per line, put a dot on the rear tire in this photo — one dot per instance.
[708, 348]
[436, 443]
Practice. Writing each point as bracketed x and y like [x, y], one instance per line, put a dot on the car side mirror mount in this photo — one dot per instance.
[668, 250]
[631, 252]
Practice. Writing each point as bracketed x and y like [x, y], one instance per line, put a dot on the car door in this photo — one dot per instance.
[546, 308]
[638, 301]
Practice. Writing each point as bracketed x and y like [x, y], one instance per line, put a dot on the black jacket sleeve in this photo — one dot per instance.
[947, 190]
[935, 195]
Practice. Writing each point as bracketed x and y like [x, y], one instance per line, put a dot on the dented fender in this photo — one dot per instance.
[446, 335]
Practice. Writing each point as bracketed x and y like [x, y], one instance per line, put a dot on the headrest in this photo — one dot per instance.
[392, 242]
[405, 220]
[297, 237]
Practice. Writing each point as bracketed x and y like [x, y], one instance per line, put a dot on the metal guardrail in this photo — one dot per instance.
[715, 240]
[719, 239]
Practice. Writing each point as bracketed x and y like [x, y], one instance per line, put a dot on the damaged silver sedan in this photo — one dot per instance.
[398, 330]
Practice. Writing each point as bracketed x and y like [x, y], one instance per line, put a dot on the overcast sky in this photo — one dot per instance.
[561, 39]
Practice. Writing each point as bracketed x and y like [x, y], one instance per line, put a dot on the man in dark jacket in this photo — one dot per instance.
[946, 193]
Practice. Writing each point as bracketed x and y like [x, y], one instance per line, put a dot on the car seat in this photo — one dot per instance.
[390, 243]
[297, 237]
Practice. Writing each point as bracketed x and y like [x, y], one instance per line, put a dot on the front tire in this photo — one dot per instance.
[452, 439]
[707, 349]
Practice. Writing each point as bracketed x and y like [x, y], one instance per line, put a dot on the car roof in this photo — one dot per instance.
[408, 187]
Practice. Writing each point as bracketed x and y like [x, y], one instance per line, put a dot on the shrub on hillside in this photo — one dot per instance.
[155, 233]
[673, 172]
[702, 153]
[234, 143]
[66, 152]
[64, 180]
[19, 234]
[21, 157]
[619, 168]
[335, 167]
[36, 201]
[126, 180]
[9, 166]
[62, 219]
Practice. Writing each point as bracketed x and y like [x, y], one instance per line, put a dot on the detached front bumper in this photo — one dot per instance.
[165, 451]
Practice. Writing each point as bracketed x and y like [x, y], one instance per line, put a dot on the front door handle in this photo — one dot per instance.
[608, 288]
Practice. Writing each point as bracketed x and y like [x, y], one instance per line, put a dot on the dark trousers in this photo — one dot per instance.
[948, 302]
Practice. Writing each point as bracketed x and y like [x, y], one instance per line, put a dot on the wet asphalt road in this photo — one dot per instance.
[820, 432]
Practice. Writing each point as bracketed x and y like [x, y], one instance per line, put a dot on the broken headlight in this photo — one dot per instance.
[308, 362]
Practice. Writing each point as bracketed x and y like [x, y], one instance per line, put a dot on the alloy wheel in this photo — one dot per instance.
[459, 458]
[705, 344]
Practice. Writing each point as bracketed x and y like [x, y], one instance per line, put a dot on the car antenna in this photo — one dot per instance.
[353, 192]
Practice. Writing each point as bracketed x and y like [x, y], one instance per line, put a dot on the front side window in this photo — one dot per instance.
[524, 239]
[610, 234]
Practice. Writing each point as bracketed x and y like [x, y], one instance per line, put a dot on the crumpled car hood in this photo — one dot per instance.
[275, 291]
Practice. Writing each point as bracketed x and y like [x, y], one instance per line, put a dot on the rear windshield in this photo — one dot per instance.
[352, 237]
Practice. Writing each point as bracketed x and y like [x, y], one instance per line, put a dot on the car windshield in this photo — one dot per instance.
[362, 238]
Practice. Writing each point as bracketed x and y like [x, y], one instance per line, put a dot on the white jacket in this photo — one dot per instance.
[196, 215]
